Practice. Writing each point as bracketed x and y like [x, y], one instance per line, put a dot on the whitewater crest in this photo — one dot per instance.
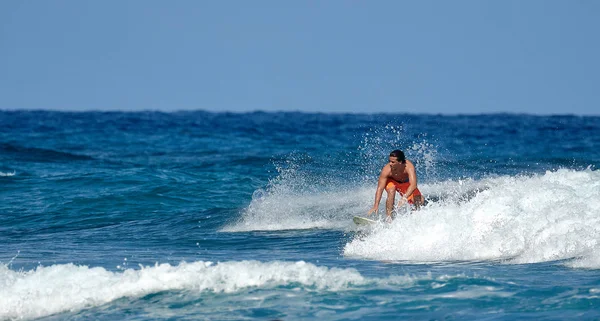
[68, 287]
[516, 219]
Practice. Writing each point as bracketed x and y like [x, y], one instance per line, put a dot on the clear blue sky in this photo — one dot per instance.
[538, 57]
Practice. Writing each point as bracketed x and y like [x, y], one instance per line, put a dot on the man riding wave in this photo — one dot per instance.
[397, 175]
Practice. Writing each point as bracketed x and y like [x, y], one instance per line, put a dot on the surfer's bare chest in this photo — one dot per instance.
[398, 172]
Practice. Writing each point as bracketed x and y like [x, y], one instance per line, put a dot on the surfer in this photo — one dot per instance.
[397, 175]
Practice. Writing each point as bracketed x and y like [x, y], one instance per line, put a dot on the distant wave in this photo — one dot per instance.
[8, 174]
[35, 154]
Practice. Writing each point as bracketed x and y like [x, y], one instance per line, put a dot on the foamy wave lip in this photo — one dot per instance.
[67, 287]
[8, 174]
[531, 219]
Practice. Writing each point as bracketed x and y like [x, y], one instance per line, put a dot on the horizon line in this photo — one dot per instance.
[255, 111]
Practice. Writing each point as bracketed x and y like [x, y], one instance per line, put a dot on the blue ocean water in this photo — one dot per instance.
[244, 216]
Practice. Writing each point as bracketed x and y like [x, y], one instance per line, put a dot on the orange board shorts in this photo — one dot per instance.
[402, 187]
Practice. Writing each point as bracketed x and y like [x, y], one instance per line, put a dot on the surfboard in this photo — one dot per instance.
[359, 220]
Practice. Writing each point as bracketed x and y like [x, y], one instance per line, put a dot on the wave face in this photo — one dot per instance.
[32, 154]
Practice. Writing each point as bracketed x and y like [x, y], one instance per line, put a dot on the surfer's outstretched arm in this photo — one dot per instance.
[412, 178]
[417, 199]
[383, 176]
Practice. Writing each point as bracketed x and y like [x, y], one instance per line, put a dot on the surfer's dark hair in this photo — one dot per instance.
[399, 155]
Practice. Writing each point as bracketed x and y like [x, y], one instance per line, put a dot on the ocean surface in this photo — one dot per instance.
[248, 216]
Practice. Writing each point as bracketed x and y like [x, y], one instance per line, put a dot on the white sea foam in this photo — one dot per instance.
[523, 219]
[67, 287]
[296, 201]
[289, 211]
[8, 174]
